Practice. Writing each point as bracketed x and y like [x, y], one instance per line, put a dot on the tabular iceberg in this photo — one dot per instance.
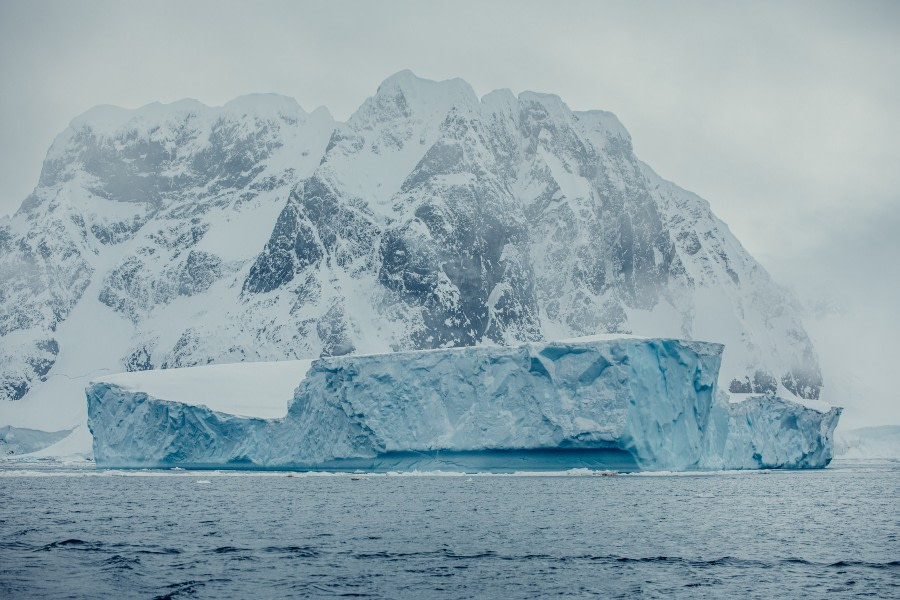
[625, 403]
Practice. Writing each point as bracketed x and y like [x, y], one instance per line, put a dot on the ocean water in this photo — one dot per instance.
[73, 532]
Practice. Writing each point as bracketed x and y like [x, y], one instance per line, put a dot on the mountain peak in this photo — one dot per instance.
[406, 80]
[417, 95]
[552, 103]
[107, 118]
[265, 104]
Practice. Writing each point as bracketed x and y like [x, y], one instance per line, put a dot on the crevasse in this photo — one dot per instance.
[625, 404]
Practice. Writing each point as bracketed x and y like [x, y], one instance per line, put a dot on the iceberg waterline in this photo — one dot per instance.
[627, 404]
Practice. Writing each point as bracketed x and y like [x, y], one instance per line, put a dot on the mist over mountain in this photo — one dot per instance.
[181, 234]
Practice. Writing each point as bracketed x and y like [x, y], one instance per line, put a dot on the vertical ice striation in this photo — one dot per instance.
[773, 432]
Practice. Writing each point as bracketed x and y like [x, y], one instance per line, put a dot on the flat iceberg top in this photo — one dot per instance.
[251, 389]
[602, 337]
[265, 389]
[595, 341]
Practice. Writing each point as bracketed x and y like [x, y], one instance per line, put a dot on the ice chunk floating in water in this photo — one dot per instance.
[628, 404]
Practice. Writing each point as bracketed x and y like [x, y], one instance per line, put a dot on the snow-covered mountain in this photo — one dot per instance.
[181, 234]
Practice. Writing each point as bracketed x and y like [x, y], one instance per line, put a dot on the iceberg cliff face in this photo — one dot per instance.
[624, 403]
[773, 432]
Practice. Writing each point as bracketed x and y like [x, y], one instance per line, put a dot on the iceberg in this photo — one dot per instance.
[20, 440]
[624, 403]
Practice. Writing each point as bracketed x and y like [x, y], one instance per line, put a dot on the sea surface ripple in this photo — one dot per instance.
[73, 532]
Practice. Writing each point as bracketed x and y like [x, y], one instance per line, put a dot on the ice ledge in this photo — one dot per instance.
[627, 404]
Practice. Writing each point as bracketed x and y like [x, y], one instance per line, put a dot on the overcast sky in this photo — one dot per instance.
[785, 116]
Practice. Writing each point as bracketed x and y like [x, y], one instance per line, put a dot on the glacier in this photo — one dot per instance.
[622, 403]
[869, 443]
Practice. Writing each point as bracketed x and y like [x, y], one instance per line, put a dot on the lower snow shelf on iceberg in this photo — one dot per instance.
[624, 404]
